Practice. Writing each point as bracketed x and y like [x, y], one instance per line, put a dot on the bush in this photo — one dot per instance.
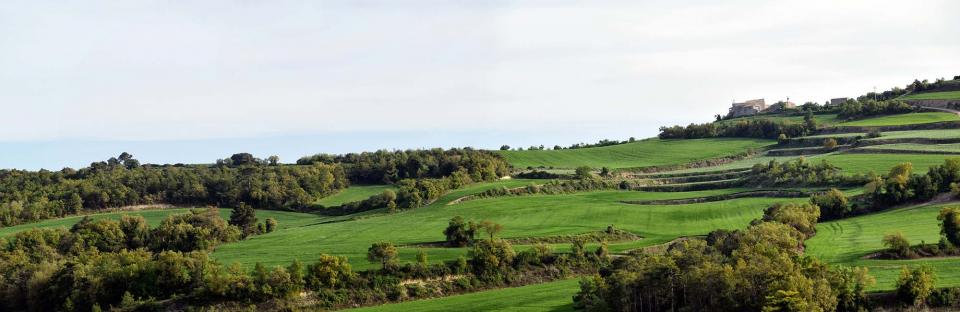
[830, 144]
[915, 285]
[833, 204]
[897, 244]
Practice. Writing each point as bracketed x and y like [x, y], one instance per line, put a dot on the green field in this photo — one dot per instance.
[847, 241]
[352, 194]
[524, 216]
[918, 147]
[285, 219]
[903, 119]
[823, 120]
[554, 296]
[931, 134]
[881, 163]
[650, 152]
[948, 95]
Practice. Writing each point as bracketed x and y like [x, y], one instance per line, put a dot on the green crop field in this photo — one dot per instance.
[286, 219]
[554, 296]
[651, 152]
[352, 194]
[948, 95]
[931, 134]
[847, 241]
[824, 120]
[881, 163]
[524, 216]
[953, 148]
[903, 119]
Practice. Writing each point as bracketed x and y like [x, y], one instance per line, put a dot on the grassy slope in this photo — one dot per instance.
[651, 152]
[352, 194]
[286, 219]
[948, 95]
[846, 241]
[521, 217]
[881, 163]
[903, 119]
[826, 119]
[918, 147]
[553, 296]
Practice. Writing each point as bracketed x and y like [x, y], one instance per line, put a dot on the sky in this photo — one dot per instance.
[194, 81]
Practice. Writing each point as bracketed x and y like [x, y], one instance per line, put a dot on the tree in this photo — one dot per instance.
[782, 139]
[328, 272]
[604, 172]
[897, 244]
[809, 122]
[422, 257]
[241, 159]
[830, 144]
[491, 228]
[833, 204]
[459, 233]
[384, 253]
[270, 225]
[75, 203]
[505, 147]
[915, 285]
[583, 172]
[950, 225]
[245, 218]
[273, 160]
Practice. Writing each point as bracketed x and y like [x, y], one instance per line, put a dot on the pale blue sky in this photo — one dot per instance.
[189, 81]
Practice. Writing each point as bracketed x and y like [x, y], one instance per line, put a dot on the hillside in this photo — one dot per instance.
[540, 222]
[645, 153]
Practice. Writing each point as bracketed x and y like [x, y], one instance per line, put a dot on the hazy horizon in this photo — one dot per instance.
[177, 82]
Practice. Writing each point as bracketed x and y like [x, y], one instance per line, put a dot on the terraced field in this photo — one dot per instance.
[947, 148]
[824, 119]
[903, 119]
[651, 152]
[847, 241]
[947, 95]
[525, 216]
[352, 194]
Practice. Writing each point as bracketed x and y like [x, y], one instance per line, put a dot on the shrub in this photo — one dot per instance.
[830, 144]
[897, 244]
[833, 204]
[915, 285]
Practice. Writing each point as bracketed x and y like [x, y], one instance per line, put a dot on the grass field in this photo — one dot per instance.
[352, 194]
[932, 134]
[903, 119]
[826, 119]
[284, 218]
[881, 163]
[918, 147]
[521, 217]
[554, 296]
[948, 95]
[650, 152]
[847, 241]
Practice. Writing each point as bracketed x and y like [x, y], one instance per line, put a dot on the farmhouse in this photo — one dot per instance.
[751, 107]
[838, 101]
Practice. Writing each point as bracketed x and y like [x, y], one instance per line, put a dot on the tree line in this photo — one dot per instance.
[387, 167]
[749, 128]
[28, 196]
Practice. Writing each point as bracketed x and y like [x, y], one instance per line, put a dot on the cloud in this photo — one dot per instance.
[185, 70]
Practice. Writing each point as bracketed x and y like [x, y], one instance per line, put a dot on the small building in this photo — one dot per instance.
[747, 108]
[838, 101]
